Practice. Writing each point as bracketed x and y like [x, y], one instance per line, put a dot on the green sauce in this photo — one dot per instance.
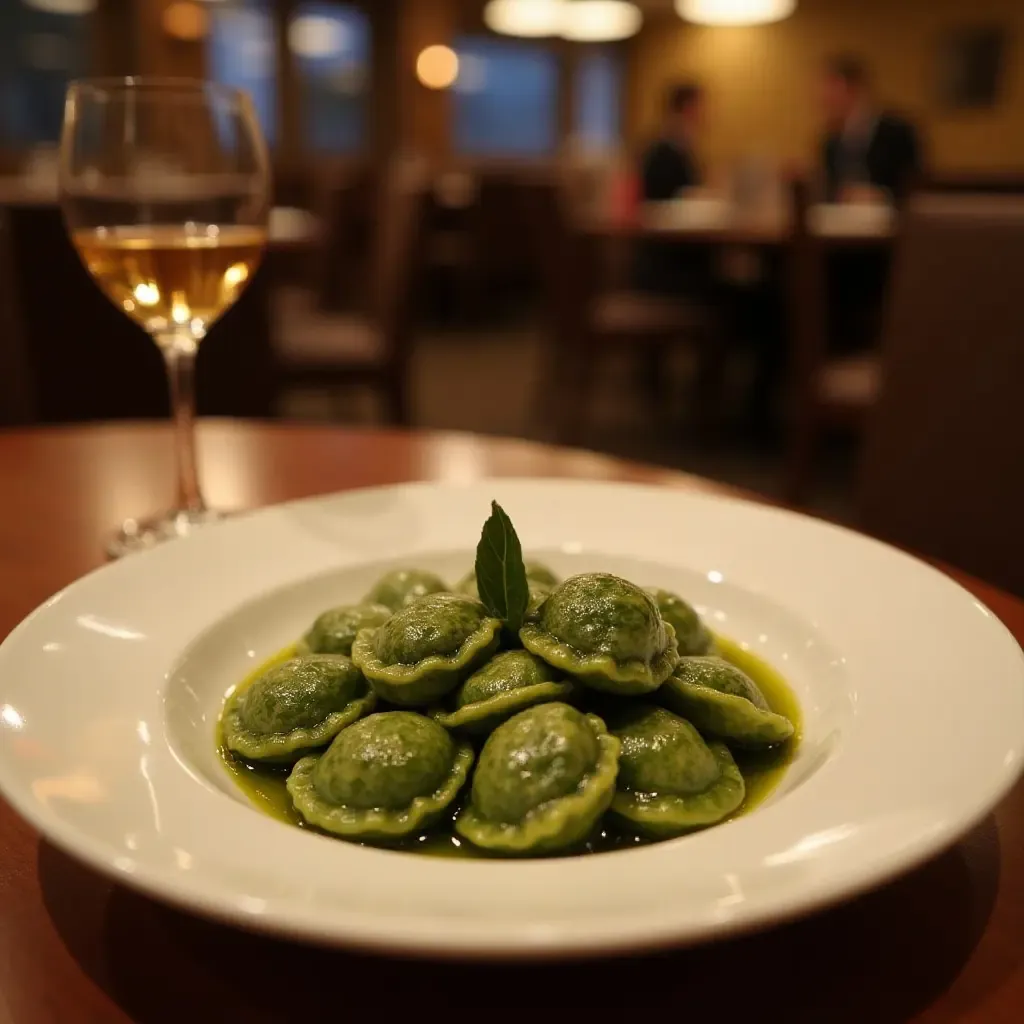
[762, 771]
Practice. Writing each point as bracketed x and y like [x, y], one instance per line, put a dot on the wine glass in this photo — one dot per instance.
[164, 185]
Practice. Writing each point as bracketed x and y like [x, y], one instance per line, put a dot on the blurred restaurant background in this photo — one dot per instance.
[648, 228]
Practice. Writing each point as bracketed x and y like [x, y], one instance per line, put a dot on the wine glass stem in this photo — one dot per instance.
[179, 351]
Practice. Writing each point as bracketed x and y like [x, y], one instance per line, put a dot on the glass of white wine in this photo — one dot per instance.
[164, 186]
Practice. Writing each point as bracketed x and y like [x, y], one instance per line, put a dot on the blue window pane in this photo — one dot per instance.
[599, 100]
[40, 52]
[241, 54]
[331, 46]
[505, 99]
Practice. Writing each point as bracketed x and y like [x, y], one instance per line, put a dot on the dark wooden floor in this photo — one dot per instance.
[485, 380]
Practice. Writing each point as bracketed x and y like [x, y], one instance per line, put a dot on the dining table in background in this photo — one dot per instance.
[719, 223]
[944, 943]
[290, 229]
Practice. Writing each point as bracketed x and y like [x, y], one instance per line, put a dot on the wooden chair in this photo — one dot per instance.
[17, 401]
[80, 358]
[587, 321]
[318, 348]
[825, 391]
[976, 184]
[452, 245]
[342, 272]
[943, 464]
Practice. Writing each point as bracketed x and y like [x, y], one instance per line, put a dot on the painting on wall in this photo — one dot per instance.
[971, 66]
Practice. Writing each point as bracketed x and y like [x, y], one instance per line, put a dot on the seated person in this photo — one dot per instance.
[750, 314]
[670, 167]
[863, 145]
[670, 164]
[865, 150]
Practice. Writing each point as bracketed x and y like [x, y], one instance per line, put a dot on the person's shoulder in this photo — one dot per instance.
[896, 122]
[659, 148]
[660, 153]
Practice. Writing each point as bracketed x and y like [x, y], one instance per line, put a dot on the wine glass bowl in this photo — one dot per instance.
[164, 185]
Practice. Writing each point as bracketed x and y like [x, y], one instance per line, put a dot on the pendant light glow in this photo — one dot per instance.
[186, 21]
[317, 37]
[532, 19]
[437, 67]
[600, 21]
[734, 12]
[73, 7]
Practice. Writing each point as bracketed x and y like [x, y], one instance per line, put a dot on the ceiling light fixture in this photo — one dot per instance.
[62, 6]
[600, 21]
[186, 21]
[582, 21]
[315, 36]
[437, 67]
[734, 12]
[530, 19]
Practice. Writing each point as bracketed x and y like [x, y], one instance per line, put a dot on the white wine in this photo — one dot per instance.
[172, 278]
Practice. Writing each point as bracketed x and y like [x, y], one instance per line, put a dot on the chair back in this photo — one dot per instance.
[943, 464]
[976, 184]
[398, 253]
[17, 399]
[807, 330]
[566, 262]
[345, 201]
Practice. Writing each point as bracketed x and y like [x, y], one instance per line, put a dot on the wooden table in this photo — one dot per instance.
[826, 227]
[289, 229]
[945, 943]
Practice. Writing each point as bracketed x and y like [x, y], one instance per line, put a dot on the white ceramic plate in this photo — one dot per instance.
[913, 696]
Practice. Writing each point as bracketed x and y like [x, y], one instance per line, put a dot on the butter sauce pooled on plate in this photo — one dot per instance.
[762, 771]
[618, 739]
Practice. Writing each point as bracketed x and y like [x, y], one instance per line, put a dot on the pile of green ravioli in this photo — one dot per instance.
[527, 706]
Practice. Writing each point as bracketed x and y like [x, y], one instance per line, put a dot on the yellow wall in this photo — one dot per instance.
[762, 81]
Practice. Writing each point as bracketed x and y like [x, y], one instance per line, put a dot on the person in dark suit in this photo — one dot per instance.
[864, 146]
[669, 168]
[866, 153]
[670, 165]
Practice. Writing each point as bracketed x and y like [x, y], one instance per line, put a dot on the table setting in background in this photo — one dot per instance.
[710, 220]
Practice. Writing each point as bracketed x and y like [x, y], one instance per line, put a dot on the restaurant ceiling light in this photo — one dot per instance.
[186, 21]
[533, 19]
[437, 67]
[62, 6]
[317, 37]
[734, 12]
[600, 21]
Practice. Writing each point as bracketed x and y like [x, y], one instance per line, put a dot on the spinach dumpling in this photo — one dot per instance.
[426, 649]
[402, 587]
[335, 630]
[606, 632]
[692, 636]
[543, 780]
[509, 682]
[296, 707]
[722, 701]
[390, 775]
[670, 781]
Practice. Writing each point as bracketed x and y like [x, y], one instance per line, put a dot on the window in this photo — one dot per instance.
[505, 100]
[331, 48]
[40, 52]
[241, 54]
[598, 101]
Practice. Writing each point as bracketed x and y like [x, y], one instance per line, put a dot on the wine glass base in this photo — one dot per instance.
[143, 534]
